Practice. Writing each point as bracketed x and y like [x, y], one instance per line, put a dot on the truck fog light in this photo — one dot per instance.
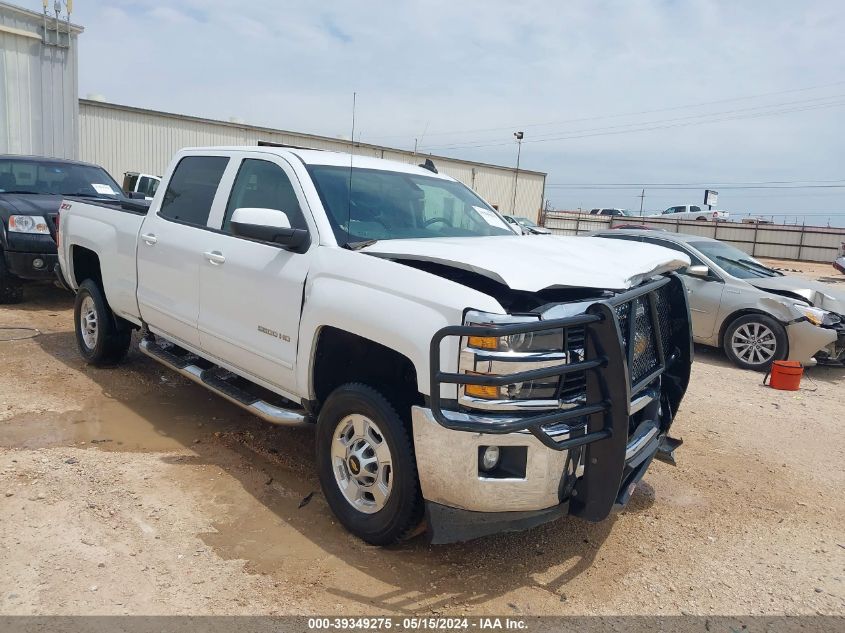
[38, 263]
[489, 458]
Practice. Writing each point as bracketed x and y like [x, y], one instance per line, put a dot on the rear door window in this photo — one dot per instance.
[192, 188]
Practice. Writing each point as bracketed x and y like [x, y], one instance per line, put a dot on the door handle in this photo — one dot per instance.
[215, 257]
[149, 238]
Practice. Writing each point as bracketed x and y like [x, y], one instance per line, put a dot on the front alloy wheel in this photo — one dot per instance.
[755, 342]
[366, 464]
[362, 463]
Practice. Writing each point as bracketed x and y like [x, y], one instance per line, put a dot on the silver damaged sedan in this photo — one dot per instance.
[756, 314]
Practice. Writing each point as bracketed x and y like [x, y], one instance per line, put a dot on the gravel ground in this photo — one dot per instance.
[129, 490]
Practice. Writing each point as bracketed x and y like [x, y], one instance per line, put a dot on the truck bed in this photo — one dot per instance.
[108, 230]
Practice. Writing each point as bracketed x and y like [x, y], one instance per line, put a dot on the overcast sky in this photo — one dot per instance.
[719, 92]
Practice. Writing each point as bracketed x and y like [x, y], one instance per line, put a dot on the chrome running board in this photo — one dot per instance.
[211, 380]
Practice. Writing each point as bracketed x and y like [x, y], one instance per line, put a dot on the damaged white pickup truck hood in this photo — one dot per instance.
[539, 262]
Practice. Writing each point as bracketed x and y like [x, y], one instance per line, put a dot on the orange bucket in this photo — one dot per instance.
[786, 375]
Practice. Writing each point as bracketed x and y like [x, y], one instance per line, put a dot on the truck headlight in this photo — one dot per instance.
[547, 341]
[512, 354]
[816, 316]
[28, 224]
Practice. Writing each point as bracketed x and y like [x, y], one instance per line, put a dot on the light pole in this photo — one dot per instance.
[518, 136]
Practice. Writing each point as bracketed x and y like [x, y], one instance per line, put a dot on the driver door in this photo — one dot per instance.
[251, 292]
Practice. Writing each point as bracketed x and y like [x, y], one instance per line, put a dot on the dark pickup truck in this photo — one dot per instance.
[31, 190]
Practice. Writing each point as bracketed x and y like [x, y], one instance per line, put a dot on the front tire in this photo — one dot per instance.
[101, 339]
[755, 341]
[366, 465]
[11, 288]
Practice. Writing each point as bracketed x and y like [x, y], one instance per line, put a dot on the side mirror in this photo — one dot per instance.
[699, 270]
[269, 225]
[136, 195]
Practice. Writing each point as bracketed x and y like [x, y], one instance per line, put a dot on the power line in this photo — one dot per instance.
[657, 125]
[688, 188]
[628, 114]
[799, 102]
[709, 183]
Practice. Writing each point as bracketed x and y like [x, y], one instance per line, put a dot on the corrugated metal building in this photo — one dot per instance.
[123, 138]
[38, 76]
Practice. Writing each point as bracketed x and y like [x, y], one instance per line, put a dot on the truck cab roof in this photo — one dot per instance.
[325, 157]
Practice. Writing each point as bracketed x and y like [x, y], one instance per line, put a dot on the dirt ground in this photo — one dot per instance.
[130, 490]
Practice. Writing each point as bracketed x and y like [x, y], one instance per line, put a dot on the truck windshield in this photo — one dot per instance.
[56, 178]
[389, 205]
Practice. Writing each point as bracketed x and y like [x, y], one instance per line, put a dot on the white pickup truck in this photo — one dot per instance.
[692, 212]
[458, 376]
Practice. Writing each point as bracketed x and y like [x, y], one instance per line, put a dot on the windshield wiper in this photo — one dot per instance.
[36, 193]
[357, 246]
[759, 266]
[89, 195]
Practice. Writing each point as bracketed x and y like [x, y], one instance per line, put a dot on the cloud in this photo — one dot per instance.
[457, 69]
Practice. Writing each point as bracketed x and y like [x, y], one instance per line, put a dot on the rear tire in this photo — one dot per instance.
[366, 465]
[11, 288]
[755, 341]
[102, 339]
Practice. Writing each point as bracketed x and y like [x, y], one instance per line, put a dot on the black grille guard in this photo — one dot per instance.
[606, 365]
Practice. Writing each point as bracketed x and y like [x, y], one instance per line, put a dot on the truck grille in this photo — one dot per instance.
[644, 358]
[573, 386]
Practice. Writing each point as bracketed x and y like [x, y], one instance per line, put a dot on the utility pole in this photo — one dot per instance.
[642, 199]
[518, 136]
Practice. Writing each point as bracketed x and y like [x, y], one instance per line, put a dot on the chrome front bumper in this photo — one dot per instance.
[447, 463]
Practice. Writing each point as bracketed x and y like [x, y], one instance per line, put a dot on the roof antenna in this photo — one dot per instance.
[351, 156]
[429, 165]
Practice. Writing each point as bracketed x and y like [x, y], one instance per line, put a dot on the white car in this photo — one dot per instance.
[612, 212]
[524, 226]
[451, 369]
[692, 212]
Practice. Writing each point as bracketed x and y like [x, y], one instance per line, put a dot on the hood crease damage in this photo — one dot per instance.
[524, 273]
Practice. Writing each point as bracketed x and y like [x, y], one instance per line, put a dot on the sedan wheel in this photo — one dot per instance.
[755, 341]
